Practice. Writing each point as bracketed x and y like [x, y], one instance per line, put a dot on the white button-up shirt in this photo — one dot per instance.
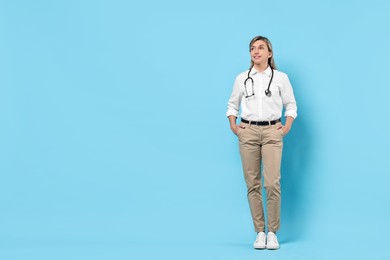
[261, 107]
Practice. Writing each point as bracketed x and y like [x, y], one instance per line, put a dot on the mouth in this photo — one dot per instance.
[256, 57]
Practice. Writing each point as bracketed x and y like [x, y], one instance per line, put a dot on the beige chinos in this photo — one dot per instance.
[262, 143]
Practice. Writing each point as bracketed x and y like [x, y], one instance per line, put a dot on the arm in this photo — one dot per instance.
[287, 126]
[233, 126]
[234, 106]
[289, 104]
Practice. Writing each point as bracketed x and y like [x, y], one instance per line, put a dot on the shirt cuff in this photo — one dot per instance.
[290, 113]
[231, 113]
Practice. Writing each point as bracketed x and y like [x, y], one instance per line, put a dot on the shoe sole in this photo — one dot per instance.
[259, 247]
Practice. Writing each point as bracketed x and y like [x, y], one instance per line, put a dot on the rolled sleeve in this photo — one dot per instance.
[288, 98]
[233, 106]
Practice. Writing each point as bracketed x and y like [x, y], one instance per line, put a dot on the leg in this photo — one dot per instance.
[250, 152]
[272, 147]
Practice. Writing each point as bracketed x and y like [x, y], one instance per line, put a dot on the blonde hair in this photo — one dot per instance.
[271, 61]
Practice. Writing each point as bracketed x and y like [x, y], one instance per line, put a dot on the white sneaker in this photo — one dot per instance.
[260, 241]
[272, 241]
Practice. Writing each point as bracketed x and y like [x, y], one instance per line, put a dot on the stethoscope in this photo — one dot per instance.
[267, 91]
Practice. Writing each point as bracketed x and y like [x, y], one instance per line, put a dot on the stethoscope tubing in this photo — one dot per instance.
[267, 91]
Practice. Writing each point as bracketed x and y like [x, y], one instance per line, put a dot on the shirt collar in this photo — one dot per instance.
[266, 72]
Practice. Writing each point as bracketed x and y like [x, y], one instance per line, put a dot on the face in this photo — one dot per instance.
[260, 53]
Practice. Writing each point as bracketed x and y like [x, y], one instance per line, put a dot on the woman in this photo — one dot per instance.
[262, 92]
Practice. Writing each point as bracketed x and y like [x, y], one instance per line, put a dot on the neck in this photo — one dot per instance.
[261, 67]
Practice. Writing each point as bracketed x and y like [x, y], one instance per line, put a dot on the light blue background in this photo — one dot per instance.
[114, 142]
